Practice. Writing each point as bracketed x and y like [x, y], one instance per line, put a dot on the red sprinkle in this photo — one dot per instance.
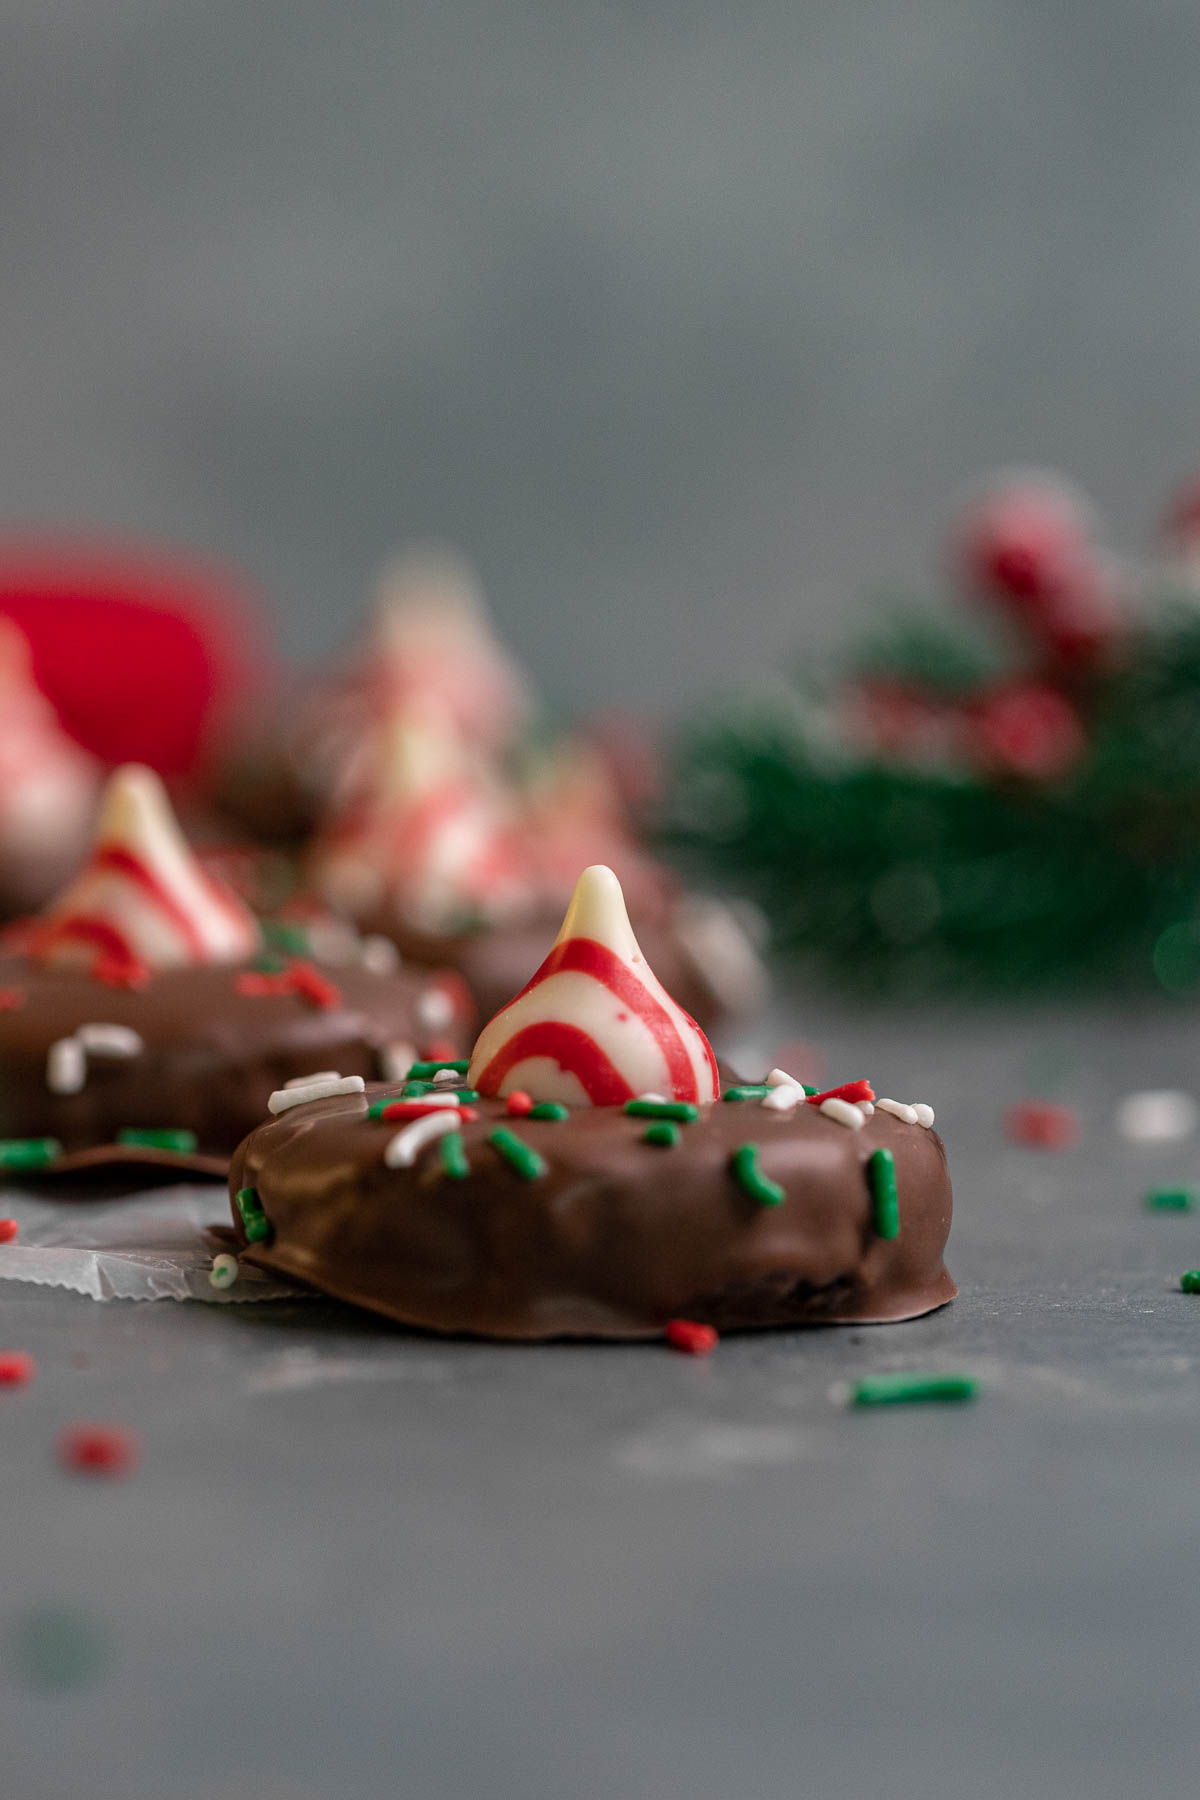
[16, 1368]
[98, 1449]
[312, 986]
[412, 1109]
[8, 1230]
[1038, 1123]
[691, 1338]
[849, 1090]
[298, 978]
[519, 1103]
[120, 971]
[11, 999]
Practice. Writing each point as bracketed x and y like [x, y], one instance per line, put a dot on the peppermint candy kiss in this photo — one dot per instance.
[594, 1026]
[142, 897]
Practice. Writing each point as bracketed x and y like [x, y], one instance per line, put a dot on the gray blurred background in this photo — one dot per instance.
[684, 320]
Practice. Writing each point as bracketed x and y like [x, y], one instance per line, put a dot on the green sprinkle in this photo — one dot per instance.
[28, 1153]
[899, 1390]
[178, 1139]
[255, 1223]
[662, 1133]
[519, 1156]
[751, 1179]
[1190, 1283]
[467, 1095]
[1171, 1200]
[682, 1110]
[290, 940]
[546, 1109]
[422, 1070]
[881, 1176]
[810, 1091]
[757, 1090]
[453, 1154]
[269, 964]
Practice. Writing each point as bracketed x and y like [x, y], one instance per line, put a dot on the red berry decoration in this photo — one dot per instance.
[1027, 548]
[98, 1449]
[1027, 729]
[8, 1231]
[1041, 1125]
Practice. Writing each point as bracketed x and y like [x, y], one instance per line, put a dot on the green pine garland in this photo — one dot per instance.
[899, 880]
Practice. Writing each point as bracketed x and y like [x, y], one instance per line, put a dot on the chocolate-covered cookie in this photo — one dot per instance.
[586, 1175]
[143, 1023]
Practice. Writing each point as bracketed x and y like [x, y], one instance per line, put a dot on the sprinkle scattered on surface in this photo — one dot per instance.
[750, 1178]
[284, 1098]
[452, 1152]
[519, 1104]
[224, 1271]
[691, 1338]
[1039, 1124]
[1159, 1116]
[8, 1231]
[317, 1075]
[1171, 1200]
[881, 1174]
[851, 1091]
[680, 1110]
[98, 1449]
[546, 1109]
[28, 1153]
[662, 1133]
[255, 1222]
[897, 1390]
[843, 1112]
[419, 1071]
[783, 1098]
[899, 1109]
[174, 1138]
[17, 1368]
[66, 1066]
[747, 1090]
[1190, 1281]
[781, 1078]
[111, 1040]
[520, 1157]
[401, 1152]
[925, 1114]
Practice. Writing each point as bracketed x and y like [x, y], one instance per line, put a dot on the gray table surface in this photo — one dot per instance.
[358, 1563]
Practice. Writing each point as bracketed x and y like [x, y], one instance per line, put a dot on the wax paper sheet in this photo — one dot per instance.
[153, 1245]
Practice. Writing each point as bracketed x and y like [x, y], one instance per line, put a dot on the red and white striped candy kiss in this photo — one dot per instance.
[142, 897]
[594, 1026]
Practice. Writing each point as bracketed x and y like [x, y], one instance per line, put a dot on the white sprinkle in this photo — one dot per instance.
[435, 1009]
[402, 1150]
[379, 955]
[432, 1100]
[1156, 1116]
[924, 1113]
[866, 1107]
[66, 1066]
[900, 1109]
[654, 1099]
[844, 1112]
[317, 1075]
[786, 1097]
[781, 1078]
[447, 1078]
[395, 1060]
[110, 1040]
[283, 1098]
[224, 1271]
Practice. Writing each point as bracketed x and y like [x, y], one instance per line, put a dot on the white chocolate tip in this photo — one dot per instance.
[597, 910]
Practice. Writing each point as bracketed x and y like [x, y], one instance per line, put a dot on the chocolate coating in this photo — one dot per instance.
[617, 1237]
[212, 1055]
